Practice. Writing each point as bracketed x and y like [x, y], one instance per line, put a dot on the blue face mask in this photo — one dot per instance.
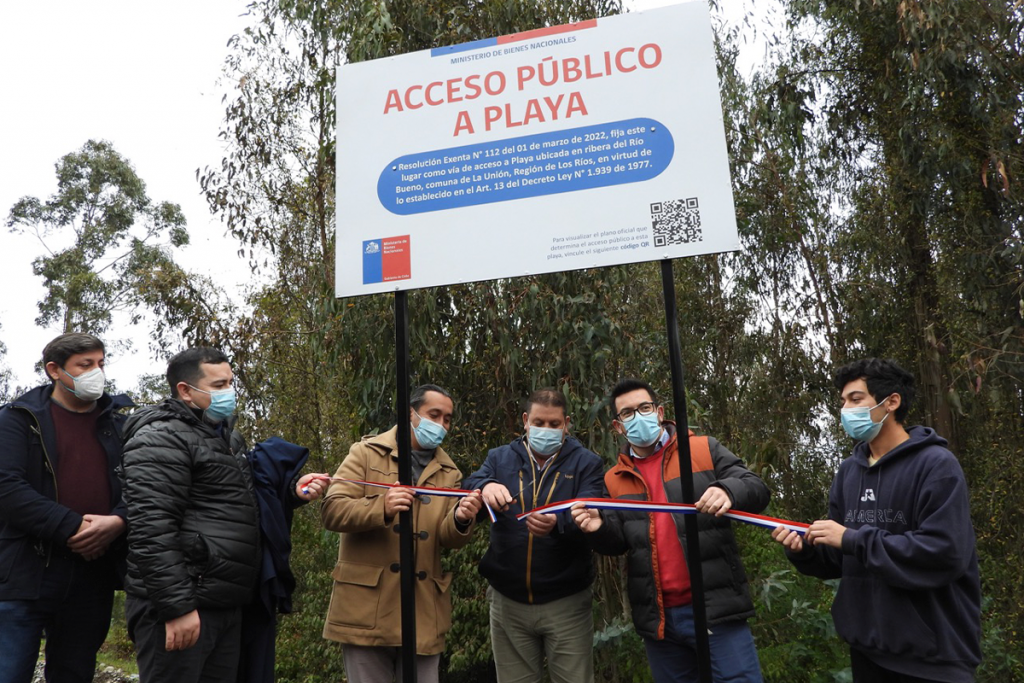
[222, 403]
[545, 441]
[643, 430]
[429, 435]
[858, 423]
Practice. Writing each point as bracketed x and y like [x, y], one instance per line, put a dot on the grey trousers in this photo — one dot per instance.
[562, 631]
[384, 665]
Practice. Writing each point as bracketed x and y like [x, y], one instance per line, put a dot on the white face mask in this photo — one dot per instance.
[88, 385]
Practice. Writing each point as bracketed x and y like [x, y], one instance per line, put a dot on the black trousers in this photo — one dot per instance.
[214, 658]
[866, 671]
[259, 631]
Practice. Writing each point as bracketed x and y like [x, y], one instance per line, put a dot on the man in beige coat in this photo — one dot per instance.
[365, 610]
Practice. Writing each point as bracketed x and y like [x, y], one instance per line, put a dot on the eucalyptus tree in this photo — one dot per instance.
[109, 248]
[6, 390]
[899, 123]
[321, 370]
[923, 102]
[852, 246]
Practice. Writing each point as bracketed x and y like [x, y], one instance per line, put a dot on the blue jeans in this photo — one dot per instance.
[73, 610]
[674, 659]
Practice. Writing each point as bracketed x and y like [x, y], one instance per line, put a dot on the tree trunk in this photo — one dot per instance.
[930, 333]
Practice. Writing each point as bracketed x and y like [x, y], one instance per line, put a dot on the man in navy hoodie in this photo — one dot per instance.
[62, 521]
[899, 535]
[540, 569]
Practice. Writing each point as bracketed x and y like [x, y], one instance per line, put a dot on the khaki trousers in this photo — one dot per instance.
[562, 631]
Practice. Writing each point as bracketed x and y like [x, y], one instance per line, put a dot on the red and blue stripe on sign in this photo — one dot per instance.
[512, 38]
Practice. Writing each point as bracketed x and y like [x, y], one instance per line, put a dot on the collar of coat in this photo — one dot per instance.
[386, 444]
[37, 401]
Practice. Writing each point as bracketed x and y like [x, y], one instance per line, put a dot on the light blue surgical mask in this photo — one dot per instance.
[545, 441]
[429, 434]
[643, 430]
[858, 423]
[222, 403]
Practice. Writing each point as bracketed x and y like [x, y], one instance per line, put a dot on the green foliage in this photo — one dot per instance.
[468, 648]
[619, 654]
[795, 638]
[149, 389]
[303, 655]
[1002, 659]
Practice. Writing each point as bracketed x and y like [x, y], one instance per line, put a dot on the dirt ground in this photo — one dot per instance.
[104, 674]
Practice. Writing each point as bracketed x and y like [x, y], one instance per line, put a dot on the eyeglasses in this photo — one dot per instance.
[627, 414]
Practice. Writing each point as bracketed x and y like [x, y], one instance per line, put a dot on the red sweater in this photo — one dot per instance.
[673, 574]
[83, 482]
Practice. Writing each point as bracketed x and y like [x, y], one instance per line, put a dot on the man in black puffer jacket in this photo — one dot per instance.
[193, 533]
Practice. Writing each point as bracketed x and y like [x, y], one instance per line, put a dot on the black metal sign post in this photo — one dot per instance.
[700, 618]
[406, 555]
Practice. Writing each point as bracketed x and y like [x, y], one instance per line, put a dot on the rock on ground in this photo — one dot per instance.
[104, 674]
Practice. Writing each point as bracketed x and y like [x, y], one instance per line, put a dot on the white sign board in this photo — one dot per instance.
[578, 146]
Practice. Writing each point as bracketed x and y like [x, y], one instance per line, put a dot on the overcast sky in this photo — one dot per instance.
[141, 75]
[146, 77]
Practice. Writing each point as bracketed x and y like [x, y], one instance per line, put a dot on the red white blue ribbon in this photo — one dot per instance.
[419, 491]
[672, 508]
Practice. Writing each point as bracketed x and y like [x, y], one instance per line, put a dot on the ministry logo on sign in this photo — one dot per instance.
[386, 259]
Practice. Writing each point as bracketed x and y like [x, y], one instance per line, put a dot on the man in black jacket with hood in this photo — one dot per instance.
[193, 540]
[61, 516]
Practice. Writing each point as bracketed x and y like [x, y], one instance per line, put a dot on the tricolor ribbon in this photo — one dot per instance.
[419, 491]
[672, 508]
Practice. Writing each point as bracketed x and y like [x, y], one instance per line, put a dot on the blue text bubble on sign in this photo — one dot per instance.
[607, 154]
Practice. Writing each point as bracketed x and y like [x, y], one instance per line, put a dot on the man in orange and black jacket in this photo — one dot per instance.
[655, 544]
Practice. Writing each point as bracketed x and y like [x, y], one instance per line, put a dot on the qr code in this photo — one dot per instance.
[676, 221]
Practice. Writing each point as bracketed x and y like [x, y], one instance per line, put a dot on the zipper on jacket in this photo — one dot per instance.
[529, 538]
[38, 430]
[635, 471]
